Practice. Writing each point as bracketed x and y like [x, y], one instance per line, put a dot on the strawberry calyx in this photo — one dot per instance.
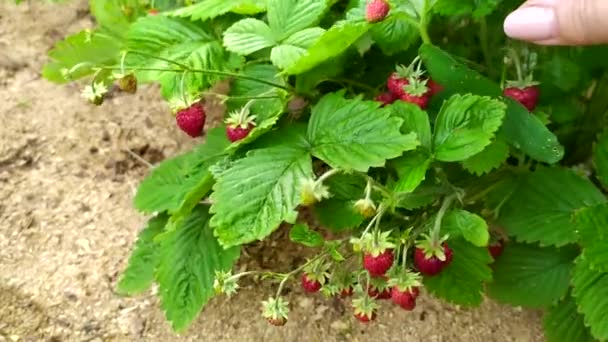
[406, 281]
[414, 70]
[312, 192]
[317, 271]
[432, 247]
[275, 310]
[375, 243]
[416, 87]
[226, 283]
[241, 118]
[365, 307]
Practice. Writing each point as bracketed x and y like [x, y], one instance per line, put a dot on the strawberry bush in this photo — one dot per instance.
[435, 156]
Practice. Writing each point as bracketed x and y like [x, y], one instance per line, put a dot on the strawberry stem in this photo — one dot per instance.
[447, 202]
[424, 22]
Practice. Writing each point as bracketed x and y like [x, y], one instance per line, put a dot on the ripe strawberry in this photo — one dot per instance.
[527, 96]
[405, 299]
[191, 120]
[405, 289]
[238, 133]
[434, 87]
[416, 92]
[365, 318]
[347, 292]
[377, 10]
[153, 11]
[434, 262]
[310, 285]
[279, 322]
[386, 98]
[239, 124]
[365, 308]
[395, 84]
[496, 248]
[375, 293]
[379, 264]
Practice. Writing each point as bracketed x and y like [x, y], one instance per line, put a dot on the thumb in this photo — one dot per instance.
[560, 22]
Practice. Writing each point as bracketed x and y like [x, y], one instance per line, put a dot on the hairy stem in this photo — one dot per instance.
[447, 202]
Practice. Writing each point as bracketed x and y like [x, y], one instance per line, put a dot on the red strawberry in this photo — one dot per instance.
[309, 285]
[405, 299]
[496, 248]
[239, 124]
[395, 84]
[378, 265]
[191, 120]
[365, 318]
[416, 92]
[434, 87]
[347, 292]
[527, 96]
[377, 10]
[431, 266]
[420, 101]
[374, 293]
[152, 11]
[386, 98]
[236, 133]
[279, 322]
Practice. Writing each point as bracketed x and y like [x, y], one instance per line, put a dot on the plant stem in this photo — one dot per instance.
[404, 256]
[447, 202]
[424, 22]
[210, 72]
[483, 40]
[327, 175]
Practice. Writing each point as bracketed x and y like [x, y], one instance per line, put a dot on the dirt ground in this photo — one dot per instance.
[66, 222]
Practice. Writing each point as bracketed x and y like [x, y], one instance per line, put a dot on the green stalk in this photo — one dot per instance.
[424, 22]
[447, 202]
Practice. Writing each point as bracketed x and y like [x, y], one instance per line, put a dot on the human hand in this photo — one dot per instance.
[560, 22]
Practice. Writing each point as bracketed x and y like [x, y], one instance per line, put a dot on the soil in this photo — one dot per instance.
[67, 179]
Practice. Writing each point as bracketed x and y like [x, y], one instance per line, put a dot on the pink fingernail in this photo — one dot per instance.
[532, 23]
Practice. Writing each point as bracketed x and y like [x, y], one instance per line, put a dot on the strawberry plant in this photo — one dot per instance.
[442, 159]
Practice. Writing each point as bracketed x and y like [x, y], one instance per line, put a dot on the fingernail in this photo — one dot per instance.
[532, 23]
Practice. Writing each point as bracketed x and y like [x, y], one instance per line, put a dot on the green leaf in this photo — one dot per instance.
[346, 186]
[542, 204]
[461, 282]
[522, 130]
[248, 36]
[181, 180]
[530, 276]
[302, 234]
[294, 47]
[600, 158]
[411, 169]
[465, 126]
[592, 226]
[77, 55]
[563, 323]
[139, 274]
[267, 110]
[331, 44]
[394, 34]
[489, 159]
[337, 215]
[414, 120]
[477, 8]
[189, 257]
[591, 295]
[287, 17]
[111, 14]
[353, 134]
[209, 9]
[258, 192]
[155, 40]
[471, 227]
